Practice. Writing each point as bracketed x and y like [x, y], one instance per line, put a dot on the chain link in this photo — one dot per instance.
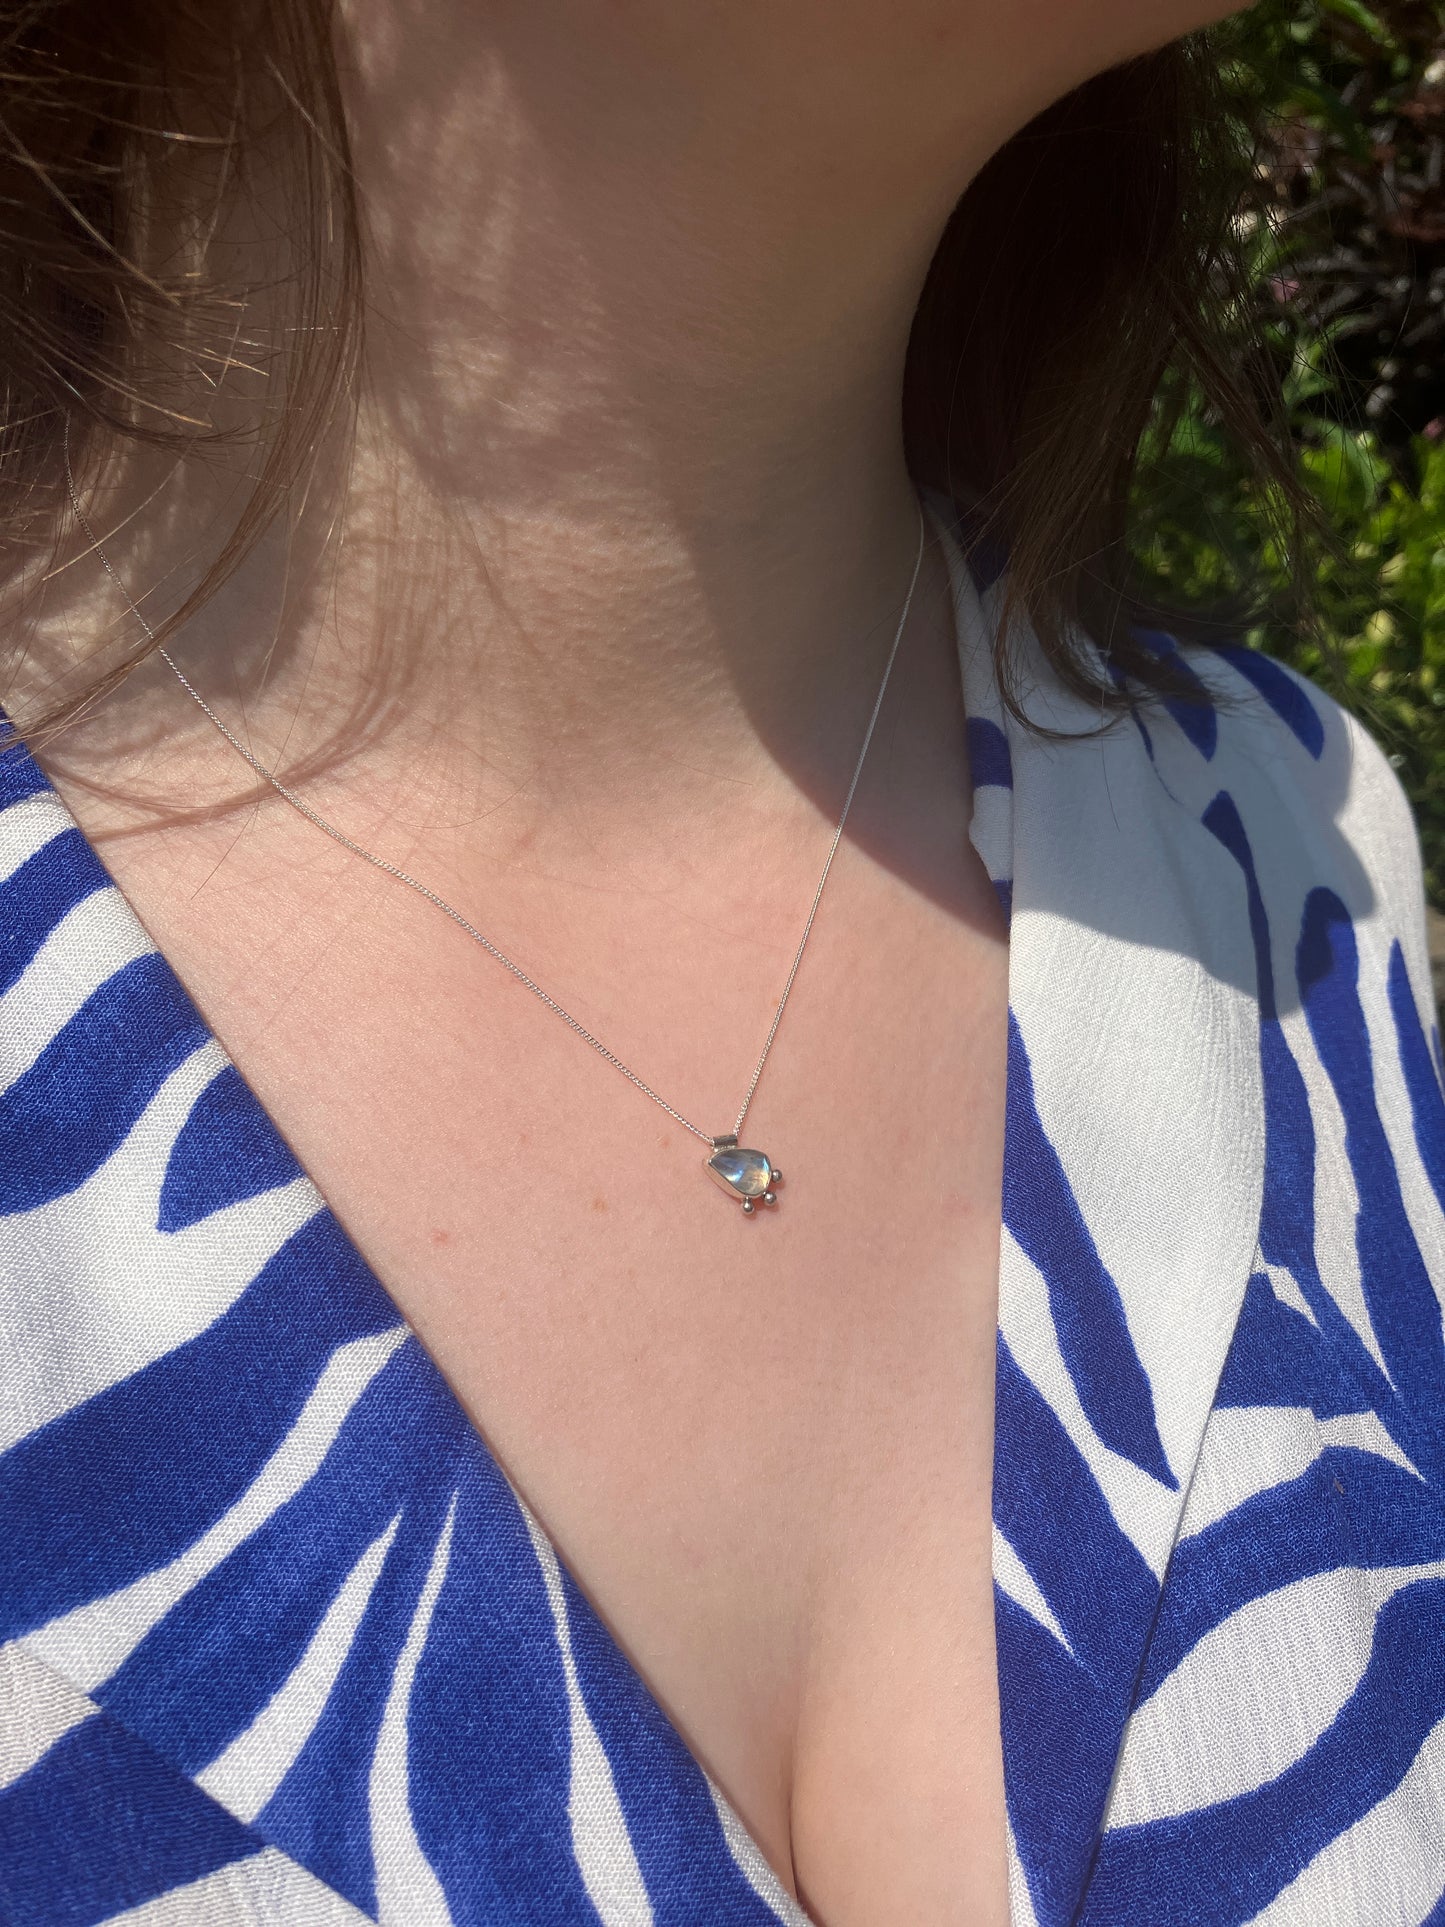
[299, 804]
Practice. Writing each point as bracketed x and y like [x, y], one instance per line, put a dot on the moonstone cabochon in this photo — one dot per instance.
[746, 1174]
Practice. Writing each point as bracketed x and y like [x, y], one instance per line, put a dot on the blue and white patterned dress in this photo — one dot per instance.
[285, 1647]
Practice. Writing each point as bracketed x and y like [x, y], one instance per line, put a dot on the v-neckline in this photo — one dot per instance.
[1104, 1385]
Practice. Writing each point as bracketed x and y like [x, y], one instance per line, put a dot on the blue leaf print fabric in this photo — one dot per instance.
[280, 1643]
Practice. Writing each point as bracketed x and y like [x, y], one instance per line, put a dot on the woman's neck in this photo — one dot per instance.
[636, 340]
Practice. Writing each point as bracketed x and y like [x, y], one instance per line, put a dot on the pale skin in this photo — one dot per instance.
[626, 533]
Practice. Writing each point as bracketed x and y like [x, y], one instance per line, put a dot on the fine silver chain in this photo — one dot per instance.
[299, 804]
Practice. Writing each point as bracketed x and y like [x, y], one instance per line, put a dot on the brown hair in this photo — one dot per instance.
[1094, 251]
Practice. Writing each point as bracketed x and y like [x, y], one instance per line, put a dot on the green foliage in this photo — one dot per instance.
[1345, 225]
[1207, 535]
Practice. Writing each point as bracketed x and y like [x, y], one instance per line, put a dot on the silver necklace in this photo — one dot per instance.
[745, 1174]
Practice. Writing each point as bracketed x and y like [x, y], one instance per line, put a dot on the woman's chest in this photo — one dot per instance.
[770, 1472]
[762, 1445]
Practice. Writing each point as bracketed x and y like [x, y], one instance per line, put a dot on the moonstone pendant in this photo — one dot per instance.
[742, 1173]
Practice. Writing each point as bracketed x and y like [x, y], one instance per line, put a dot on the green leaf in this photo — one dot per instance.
[1362, 16]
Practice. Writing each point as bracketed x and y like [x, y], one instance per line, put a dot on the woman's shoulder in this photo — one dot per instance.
[1296, 786]
[1226, 819]
[1314, 747]
[1320, 790]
